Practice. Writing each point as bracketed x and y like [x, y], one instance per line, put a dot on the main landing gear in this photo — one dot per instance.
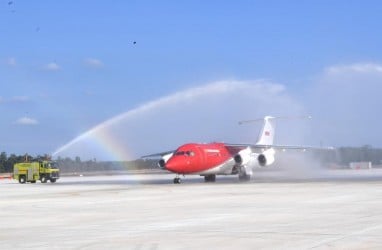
[207, 178]
[210, 178]
[243, 175]
[177, 180]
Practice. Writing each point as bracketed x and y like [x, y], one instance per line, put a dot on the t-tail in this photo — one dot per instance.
[249, 158]
[267, 133]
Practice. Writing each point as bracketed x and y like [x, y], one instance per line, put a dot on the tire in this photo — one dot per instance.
[52, 180]
[43, 179]
[22, 179]
[244, 177]
[33, 181]
[210, 178]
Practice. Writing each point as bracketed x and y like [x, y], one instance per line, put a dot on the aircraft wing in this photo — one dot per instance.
[158, 154]
[278, 147]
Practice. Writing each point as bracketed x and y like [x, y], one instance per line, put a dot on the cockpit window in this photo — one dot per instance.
[185, 153]
[52, 165]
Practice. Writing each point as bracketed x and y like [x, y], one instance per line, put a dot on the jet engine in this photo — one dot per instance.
[266, 158]
[162, 162]
[243, 157]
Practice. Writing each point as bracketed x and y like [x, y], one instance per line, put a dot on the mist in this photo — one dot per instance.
[345, 102]
[202, 114]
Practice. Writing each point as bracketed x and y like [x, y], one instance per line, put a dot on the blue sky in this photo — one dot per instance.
[70, 65]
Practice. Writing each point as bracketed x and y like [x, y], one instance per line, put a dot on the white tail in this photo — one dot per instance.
[267, 133]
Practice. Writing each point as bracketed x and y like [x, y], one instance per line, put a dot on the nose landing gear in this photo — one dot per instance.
[177, 180]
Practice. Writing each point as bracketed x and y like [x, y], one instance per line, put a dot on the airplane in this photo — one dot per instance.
[211, 159]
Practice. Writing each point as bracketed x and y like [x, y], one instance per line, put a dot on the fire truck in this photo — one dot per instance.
[37, 170]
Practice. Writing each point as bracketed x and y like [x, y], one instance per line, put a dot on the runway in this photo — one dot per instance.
[338, 209]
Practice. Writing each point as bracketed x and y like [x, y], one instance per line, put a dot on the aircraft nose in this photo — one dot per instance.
[173, 164]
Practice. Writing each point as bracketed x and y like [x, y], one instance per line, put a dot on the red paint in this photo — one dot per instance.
[194, 157]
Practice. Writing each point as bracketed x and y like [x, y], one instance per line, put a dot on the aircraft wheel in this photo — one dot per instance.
[210, 178]
[177, 180]
[244, 177]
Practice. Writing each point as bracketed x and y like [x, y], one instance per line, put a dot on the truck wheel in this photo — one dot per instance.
[52, 180]
[22, 179]
[43, 179]
[33, 181]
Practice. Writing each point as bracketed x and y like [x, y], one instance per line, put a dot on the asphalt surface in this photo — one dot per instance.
[338, 209]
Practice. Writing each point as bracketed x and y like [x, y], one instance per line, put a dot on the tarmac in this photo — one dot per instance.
[336, 209]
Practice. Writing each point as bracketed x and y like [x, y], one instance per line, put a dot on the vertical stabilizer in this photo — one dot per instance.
[267, 133]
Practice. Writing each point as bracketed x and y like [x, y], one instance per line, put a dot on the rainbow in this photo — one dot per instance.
[104, 140]
[101, 141]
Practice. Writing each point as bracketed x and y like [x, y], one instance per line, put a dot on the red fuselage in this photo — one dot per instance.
[195, 158]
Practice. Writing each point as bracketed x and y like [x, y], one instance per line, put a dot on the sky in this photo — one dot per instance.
[116, 80]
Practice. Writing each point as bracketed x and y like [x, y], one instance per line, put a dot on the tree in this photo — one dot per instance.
[3, 160]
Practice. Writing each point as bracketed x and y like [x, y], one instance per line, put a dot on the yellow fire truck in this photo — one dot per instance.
[38, 170]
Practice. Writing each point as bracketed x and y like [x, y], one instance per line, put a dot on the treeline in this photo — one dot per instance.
[345, 155]
[69, 165]
[341, 156]
[7, 162]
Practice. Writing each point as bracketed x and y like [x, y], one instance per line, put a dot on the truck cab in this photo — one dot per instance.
[49, 171]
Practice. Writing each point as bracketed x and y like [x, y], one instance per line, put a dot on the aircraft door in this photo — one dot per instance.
[199, 157]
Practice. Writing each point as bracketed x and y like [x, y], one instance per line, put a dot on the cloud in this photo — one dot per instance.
[15, 99]
[52, 67]
[88, 93]
[20, 99]
[355, 68]
[26, 121]
[94, 63]
[11, 61]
